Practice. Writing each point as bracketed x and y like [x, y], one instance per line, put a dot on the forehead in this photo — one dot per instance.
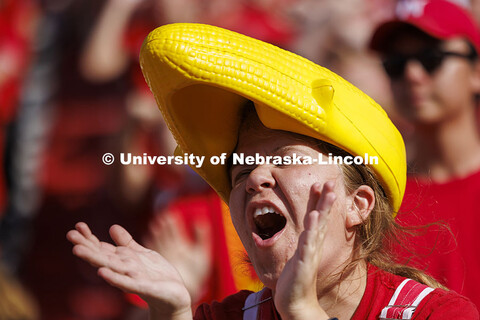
[253, 134]
[408, 39]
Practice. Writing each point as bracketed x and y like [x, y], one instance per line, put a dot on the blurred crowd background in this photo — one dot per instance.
[71, 90]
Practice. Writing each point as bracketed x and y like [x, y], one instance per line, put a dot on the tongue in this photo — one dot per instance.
[269, 224]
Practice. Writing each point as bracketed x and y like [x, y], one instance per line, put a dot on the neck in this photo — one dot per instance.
[448, 149]
[342, 298]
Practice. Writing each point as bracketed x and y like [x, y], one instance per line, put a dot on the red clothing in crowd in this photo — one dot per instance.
[438, 305]
[456, 203]
[16, 32]
[17, 18]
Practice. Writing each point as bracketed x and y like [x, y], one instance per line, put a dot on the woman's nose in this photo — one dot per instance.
[260, 178]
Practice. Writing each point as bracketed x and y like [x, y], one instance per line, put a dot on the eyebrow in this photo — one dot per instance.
[275, 150]
[279, 148]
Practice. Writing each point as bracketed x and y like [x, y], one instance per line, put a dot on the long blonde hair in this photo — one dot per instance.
[379, 233]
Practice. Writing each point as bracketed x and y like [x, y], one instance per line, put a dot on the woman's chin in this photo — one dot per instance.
[269, 278]
[270, 283]
[269, 265]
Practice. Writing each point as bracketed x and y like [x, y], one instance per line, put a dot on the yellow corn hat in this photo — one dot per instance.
[202, 75]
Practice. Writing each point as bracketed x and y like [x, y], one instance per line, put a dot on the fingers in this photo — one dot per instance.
[96, 258]
[327, 198]
[325, 202]
[123, 260]
[83, 236]
[315, 223]
[103, 254]
[297, 283]
[122, 238]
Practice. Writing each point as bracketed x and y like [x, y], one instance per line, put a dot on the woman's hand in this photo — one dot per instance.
[135, 269]
[296, 290]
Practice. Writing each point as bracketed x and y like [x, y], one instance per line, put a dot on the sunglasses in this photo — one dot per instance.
[430, 59]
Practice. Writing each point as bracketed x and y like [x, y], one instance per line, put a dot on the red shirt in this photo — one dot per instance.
[381, 285]
[454, 261]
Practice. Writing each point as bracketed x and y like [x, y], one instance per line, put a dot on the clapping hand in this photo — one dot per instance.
[134, 269]
[296, 292]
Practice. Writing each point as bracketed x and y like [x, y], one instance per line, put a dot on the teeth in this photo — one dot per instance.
[262, 211]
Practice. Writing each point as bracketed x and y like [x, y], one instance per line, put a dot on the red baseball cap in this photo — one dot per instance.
[440, 19]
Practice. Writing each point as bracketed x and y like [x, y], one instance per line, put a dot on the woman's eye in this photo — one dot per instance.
[240, 176]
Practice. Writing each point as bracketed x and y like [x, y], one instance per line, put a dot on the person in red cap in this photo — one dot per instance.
[430, 53]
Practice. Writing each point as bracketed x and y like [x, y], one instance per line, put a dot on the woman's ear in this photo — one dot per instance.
[361, 204]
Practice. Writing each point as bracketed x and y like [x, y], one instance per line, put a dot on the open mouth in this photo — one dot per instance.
[268, 222]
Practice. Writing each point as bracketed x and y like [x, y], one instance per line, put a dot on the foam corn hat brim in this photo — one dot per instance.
[202, 75]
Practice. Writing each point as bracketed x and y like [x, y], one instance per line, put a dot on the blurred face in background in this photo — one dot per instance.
[432, 80]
